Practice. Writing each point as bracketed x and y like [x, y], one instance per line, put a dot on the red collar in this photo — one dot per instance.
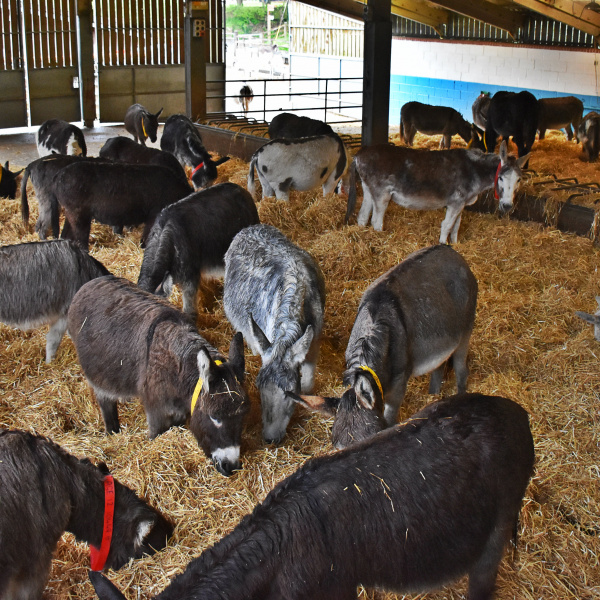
[496, 181]
[198, 167]
[99, 556]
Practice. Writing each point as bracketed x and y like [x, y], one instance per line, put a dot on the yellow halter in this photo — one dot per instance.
[144, 129]
[365, 368]
[198, 388]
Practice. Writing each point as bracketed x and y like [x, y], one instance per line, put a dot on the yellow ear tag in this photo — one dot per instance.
[365, 368]
[218, 362]
[197, 391]
[143, 128]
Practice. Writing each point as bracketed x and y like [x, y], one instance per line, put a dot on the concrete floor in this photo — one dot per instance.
[20, 148]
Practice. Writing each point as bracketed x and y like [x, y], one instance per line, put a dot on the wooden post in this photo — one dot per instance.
[376, 72]
[195, 32]
[87, 89]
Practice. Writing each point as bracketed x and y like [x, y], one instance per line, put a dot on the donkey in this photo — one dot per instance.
[125, 150]
[141, 124]
[593, 319]
[41, 172]
[480, 110]
[434, 120]
[425, 180]
[274, 293]
[8, 182]
[410, 321]
[246, 96]
[512, 114]
[409, 510]
[181, 138]
[131, 343]
[560, 113]
[56, 136]
[113, 193]
[291, 126]
[39, 280]
[589, 136]
[189, 240]
[301, 164]
[46, 491]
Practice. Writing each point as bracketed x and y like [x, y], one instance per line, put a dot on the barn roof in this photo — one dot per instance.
[512, 16]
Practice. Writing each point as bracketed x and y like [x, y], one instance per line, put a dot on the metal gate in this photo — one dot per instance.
[39, 62]
[53, 66]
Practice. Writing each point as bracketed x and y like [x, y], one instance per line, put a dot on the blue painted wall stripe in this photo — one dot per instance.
[460, 95]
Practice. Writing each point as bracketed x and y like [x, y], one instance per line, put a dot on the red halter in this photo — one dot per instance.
[496, 181]
[198, 167]
[98, 557]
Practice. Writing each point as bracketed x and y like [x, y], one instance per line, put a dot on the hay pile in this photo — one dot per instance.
[527, 345]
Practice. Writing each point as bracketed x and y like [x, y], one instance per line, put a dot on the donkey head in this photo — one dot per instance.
[217, 415]
[8, 182]
[508, 175]
[358, 413]
[149, 123]
[204, 174]
[280, 372]
[138, 528]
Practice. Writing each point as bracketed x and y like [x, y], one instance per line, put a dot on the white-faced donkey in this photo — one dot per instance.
[45, 491]
[409, 510]
[274, 293]
[131, 343]
[410, 321]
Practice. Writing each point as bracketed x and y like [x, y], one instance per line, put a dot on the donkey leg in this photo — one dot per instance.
[452, 213]
[459, 363]
[110, 411]
[379, 208]
[366, 207]
[54, 337]
[393, 399]
[267, 190]
[436, 378]
[454, 232]
[189, 294]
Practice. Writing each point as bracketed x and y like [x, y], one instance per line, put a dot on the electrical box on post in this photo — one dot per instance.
[199, 27]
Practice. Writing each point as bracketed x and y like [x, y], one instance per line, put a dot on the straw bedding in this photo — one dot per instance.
[527, 345]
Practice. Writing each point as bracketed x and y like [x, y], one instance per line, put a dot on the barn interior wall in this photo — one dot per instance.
[453, 74]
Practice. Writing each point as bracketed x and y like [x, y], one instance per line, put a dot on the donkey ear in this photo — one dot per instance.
[259, 336]
[364, 392]
[158, 113]
[521, 162]
[222, 160]
[236, 356]
[6, 165]
[203, 360]
[321, 404]
[300, 348]
[144, 527]
[103, 468]
[105, 589]
[503, 152]
[17, 173]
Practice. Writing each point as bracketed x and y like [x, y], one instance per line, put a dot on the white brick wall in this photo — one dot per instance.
[569, 72]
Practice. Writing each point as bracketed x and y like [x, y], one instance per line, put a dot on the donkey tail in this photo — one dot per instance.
[24, 201]
[251, 185]
[351, 192]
